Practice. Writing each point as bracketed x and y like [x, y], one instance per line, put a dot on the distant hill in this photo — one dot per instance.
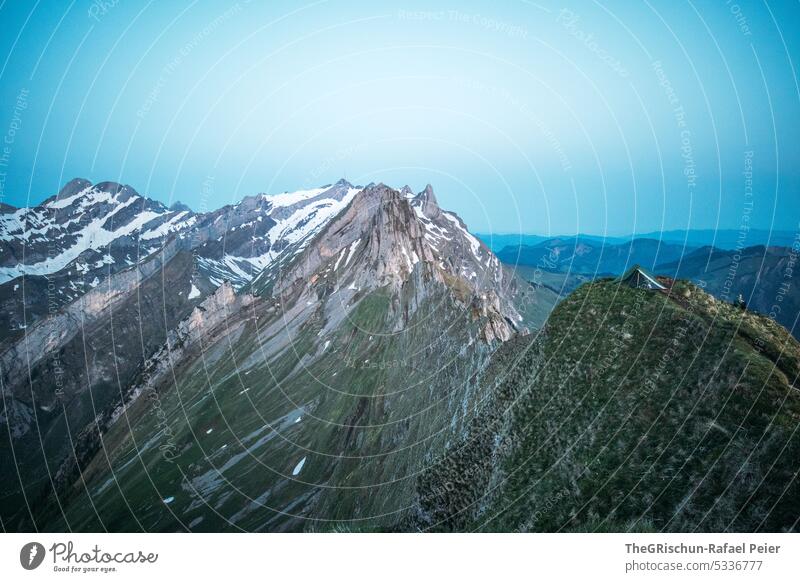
[726, 239]
[586, 256]
[497, 242]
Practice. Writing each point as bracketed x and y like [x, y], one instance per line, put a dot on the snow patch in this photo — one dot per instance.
[473, 242]
[351, 250]
[299, 467]
[290, 198]
[64, 202]
[339, 259]
[171, 225]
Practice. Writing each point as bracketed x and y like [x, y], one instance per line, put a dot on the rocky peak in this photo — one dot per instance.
[427, 195]
[178, 206]
[80, 195]
[70, 189]
[342, 182]
[386, 240]
[426, 200]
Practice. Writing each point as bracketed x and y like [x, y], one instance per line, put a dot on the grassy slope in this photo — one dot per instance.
[633, 411]
[372, 408]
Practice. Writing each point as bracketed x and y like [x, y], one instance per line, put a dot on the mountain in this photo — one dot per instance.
[633, 410]
[74, 241]
[82, 221]
[70, 243]
[587, 256]
[274, 364]
[763, 276]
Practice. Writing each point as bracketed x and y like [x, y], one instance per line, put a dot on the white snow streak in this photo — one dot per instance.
[299, 467]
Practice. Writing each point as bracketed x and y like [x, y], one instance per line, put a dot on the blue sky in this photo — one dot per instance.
[541, 117]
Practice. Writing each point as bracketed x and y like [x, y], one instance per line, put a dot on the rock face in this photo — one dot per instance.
[385, 238]
[345, 319]
[633, 410]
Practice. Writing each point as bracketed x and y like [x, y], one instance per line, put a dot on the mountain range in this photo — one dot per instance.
[359, 305]
[725, 239]
[352, 358]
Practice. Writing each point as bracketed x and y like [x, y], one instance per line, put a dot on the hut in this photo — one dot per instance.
[638, 278]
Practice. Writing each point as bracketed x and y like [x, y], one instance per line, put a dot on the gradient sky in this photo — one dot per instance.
[550, 118]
